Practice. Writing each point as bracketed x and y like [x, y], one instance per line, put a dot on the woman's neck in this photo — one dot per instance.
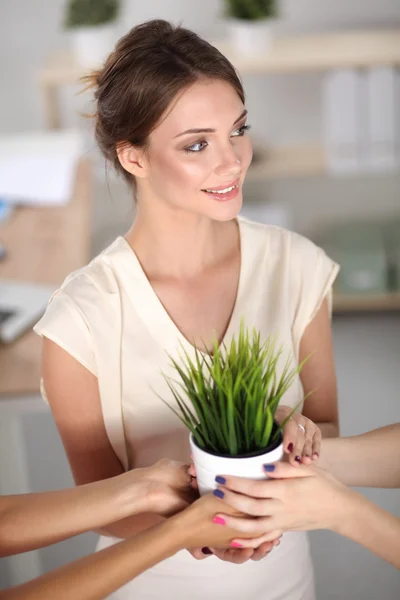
[179, 244]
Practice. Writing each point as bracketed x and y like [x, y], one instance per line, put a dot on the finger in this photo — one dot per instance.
[316, 447]
[295, 456]
[253, 507]
[306, 458]
[234, 555]
[271, 537]
[174, 473]
[249, 527]
[192, 470]
[284, 470]
[198, 553]
[290, 434]
[249, 487]
[262, 551]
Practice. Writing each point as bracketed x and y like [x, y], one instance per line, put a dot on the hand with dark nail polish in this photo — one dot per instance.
[219, 493]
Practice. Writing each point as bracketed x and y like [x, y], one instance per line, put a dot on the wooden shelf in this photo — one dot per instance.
[321, 52]
[373, 303]
[298, 161]
[316, 52]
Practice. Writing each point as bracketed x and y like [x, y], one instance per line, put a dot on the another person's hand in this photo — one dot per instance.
[301, 437]
[205, 536]
[294, 499]
[165, 487]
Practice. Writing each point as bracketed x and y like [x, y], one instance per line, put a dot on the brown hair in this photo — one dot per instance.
[149, 66]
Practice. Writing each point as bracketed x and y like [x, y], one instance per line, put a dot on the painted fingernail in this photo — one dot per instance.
[298, 459]
[206, 550]
[220, 479]
[219, 520]
[290, 447]
[269, 468]
[219, 493]
[236, 545]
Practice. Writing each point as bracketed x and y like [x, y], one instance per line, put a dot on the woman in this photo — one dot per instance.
[32, 521]
[171, 119]
[307, 498]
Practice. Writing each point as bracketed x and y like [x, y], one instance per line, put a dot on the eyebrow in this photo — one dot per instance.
[209, 130]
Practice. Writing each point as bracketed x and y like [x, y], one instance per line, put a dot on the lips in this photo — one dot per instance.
[223, 193]
[220, 189]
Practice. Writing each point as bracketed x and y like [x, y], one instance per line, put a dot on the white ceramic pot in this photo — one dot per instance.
[208, 466]
[251, 38]
[92, 45]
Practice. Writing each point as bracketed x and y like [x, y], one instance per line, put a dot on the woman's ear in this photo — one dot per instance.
[132, 159]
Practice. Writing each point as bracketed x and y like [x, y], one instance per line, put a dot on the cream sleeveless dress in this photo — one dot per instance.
[108, 317]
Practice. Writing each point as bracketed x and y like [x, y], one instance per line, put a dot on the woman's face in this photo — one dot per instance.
[199, 154]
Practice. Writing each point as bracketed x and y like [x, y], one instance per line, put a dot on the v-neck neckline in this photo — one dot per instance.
[156, 317]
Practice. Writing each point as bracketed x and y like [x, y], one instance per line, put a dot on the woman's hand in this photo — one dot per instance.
[204, 531]
[301, 437]
[299, 499]
[165, 487]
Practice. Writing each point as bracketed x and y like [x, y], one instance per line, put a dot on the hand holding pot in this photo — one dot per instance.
[300, 499]
[203, 530]
[166, 486]
[301, 437]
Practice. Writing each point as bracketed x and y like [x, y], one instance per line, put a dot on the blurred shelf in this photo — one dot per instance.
[320, 52]
[288, 54]
[372, 303]
[298, 161]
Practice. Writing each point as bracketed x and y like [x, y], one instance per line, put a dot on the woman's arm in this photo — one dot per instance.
[318, 374]
[74, 398]
[368, 460]
[96, 576]
[307, 498]
[32, 521]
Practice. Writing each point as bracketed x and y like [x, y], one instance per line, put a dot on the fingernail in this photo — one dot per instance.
[315, 455]
[206, 550]
[236, 545]
[298, 459]
[269, 468]
[290, 447]
[219, 493]
[219, 520]
[220, 479]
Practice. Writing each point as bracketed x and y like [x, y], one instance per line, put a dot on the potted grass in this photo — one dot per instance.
[92, 29]
[251, 25]
[228, 400]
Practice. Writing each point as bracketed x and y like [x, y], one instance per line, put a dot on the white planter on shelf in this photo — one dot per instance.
[251, 38]
[92, 45]
[208, 466]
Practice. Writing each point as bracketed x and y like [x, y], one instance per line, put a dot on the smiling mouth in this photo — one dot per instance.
[222, 190]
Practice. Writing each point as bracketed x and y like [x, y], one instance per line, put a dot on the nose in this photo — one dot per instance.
[228, 163]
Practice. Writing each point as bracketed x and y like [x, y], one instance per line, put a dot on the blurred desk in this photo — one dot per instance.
[44, 244]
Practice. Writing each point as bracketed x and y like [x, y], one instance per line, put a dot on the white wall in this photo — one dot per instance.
[367, 348]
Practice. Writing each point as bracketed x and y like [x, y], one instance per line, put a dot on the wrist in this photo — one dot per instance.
[129, 495]
[176, 533]
[347, 510]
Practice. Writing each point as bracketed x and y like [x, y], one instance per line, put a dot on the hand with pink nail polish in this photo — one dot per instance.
[203, 530]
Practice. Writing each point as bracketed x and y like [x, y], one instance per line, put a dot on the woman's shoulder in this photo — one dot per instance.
[278, 238]
[96, 279]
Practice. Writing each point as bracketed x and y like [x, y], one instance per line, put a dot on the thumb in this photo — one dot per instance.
[283, 470]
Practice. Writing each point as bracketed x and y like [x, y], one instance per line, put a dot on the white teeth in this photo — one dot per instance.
[229, 189]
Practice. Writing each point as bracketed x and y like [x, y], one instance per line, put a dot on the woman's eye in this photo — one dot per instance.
[241, 131]
[197, 147]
